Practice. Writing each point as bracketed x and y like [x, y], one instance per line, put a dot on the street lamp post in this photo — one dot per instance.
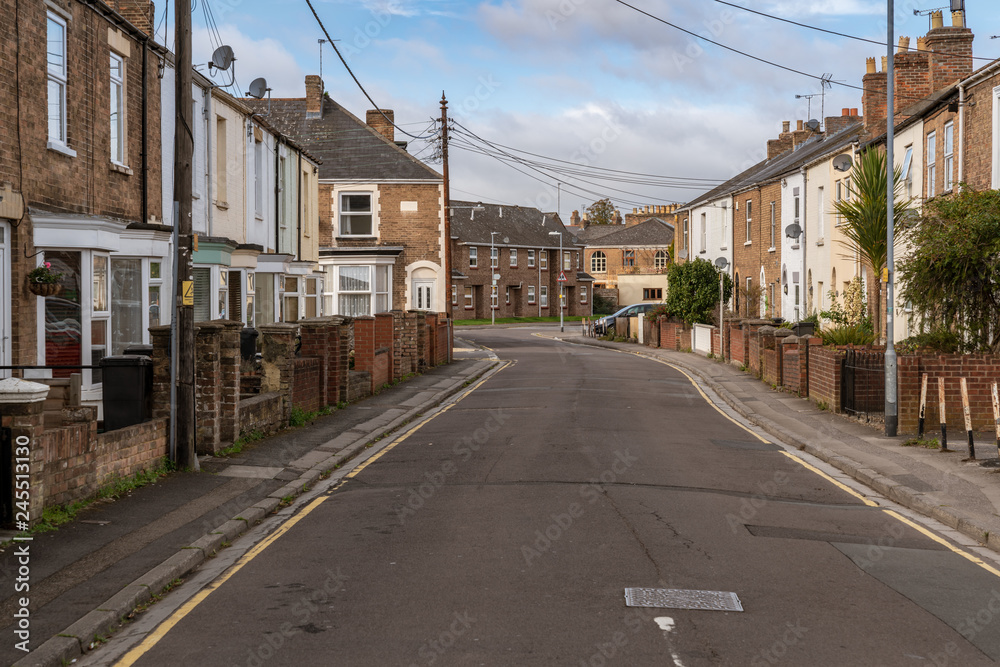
[561, 264]
[494, 296]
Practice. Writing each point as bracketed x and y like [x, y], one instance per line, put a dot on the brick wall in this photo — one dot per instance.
[980, 372]
[263, 413]
[978, 168]
[936, 123]
[825, 367]
[747, 256]
[737, 345]
[306, 378]
[793, 365]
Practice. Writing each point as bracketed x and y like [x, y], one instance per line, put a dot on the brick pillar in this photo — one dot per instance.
[430, 325]
[421, 325]
[345, 343]
[207, 391]
[278, 352]
[229, 381]
[398, 329]
[21, 407]
[160, 337]
[384, 339]
[314, 333]
[364, 346]
[410, 341]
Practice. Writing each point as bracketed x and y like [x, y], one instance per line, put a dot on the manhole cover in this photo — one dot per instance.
[681, 599]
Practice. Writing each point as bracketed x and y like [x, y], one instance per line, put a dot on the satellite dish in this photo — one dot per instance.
[223, 58]
[258, 88]
[722, 263]
[506, 239]
[793, 231]
[843, 162]
[813, 124]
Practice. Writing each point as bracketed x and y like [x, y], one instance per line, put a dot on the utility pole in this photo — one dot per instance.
[184, 437]
[447, 205]
[891, 406]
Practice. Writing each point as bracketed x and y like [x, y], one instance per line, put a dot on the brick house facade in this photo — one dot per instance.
[643, 248]
[381, 234]
[526, 245]
[80, 171]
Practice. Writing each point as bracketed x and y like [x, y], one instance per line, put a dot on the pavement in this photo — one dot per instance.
[90, 574]
[962, 494]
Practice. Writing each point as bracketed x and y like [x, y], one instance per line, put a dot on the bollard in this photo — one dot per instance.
[996, 416]
[944, 425]
[968, 418]
[923, 407]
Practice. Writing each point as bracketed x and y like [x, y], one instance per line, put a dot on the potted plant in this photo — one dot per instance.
[43, 281]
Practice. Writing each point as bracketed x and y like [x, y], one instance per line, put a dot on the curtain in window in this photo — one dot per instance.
[265, 299]
[126, 304]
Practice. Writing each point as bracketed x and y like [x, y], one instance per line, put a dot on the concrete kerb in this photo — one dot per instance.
[900, 493]
[76, 639]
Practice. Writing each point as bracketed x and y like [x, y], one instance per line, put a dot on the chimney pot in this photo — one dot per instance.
[854, 111]
[921, 43]
[885, 63]
[937, 20]
[958, 19]
[785, 125]
[870, 65]
[904, 44]
[798, 125]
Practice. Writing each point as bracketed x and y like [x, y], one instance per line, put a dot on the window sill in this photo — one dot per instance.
[470, 307]
[748, 243]
[702, 252]
[724, 248]
[261, 219]
[223, 205]
[120, 168]
[60, 147]
[795, 246]
[771, 249]
[348, 237]
[822, 241]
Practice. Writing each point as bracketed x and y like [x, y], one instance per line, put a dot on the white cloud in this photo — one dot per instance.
[798, 8]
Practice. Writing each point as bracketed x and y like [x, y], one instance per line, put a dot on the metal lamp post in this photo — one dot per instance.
[561, 262]
[721, 263]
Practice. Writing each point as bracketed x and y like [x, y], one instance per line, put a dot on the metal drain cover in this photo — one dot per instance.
[682, 599]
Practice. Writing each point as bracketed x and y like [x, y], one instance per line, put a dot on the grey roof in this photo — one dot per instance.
[520, 225]
[591, 233]
[772, 168]
[347, 147]
[652, 232]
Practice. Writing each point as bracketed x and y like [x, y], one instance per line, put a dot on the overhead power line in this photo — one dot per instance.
[348, 68]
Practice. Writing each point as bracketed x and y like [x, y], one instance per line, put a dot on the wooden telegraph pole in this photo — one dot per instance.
[447, 205]
[183, 346]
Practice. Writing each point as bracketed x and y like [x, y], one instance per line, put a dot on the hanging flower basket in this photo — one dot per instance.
[43, 281]
[45, 289]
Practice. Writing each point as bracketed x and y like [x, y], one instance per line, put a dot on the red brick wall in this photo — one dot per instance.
[737, 349]
[772, 366]
[77, 460]
[753, 353]
[980, 372]
[824, 376]
[792, 372]
[979, 134]
[306, 380]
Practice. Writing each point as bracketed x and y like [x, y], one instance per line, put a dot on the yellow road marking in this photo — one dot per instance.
[840, 485]
[940, 540]
[161, 630]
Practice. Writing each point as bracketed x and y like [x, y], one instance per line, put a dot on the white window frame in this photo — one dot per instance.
[749, 222]
[995, 181]
[531, 295]
[117, 115]
[583, 294]
[423, 287]
[58, 77]
[531, 259]
[704, 232]
[454, 295]
[543, 296]
[820, 214]
[599, 262]
[258, 180]
[331, 284]
[473, 257]
[949, 155]
[661, 259]
[543, 260]
[931, 153]
[372, 211]
[567, 261]
[906, 171]
[494, 257]
[513, 258]
[470, 298]
[774, 221]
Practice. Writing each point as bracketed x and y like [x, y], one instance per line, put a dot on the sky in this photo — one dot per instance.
[593, 83]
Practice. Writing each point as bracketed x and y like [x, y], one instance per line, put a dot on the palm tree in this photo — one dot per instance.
[864, 215]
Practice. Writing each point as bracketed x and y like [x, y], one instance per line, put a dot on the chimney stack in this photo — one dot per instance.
[574, 219]
[139, 13]
[314, 96]
[381, 120]
[873, 99]
[950, 53]
[783, 143]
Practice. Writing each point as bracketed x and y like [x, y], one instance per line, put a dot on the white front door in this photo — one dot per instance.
[423, 294]
[5, 300]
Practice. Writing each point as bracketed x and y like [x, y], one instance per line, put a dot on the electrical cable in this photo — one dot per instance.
[347, 67]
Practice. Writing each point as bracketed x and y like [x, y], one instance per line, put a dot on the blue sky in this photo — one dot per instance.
[586, 81]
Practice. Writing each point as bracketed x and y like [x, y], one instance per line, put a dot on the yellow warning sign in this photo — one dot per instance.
[187, 296]
[885, 274]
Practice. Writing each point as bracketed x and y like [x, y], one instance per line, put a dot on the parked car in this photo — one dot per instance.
[607, 324]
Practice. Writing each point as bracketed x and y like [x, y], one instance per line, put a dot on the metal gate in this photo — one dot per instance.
[862, 383]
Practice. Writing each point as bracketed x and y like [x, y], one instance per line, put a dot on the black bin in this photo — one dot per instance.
[128, 390]
[248, 343]
[804, 328]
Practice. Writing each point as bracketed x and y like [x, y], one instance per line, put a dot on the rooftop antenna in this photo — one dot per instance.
[222, 59]
[825, 84]
[258, 88]
[928, 12]
[808, 99]
[321, 43]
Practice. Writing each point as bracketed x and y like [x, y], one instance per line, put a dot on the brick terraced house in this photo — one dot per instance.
[381, 234]
[518, 244]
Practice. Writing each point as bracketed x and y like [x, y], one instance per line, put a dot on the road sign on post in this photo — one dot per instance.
[562, 276]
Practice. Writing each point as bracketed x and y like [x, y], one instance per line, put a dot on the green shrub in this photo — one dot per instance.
[847, 334]
[939, 340]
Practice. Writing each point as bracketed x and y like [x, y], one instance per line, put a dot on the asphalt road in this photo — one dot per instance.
[505, 531]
